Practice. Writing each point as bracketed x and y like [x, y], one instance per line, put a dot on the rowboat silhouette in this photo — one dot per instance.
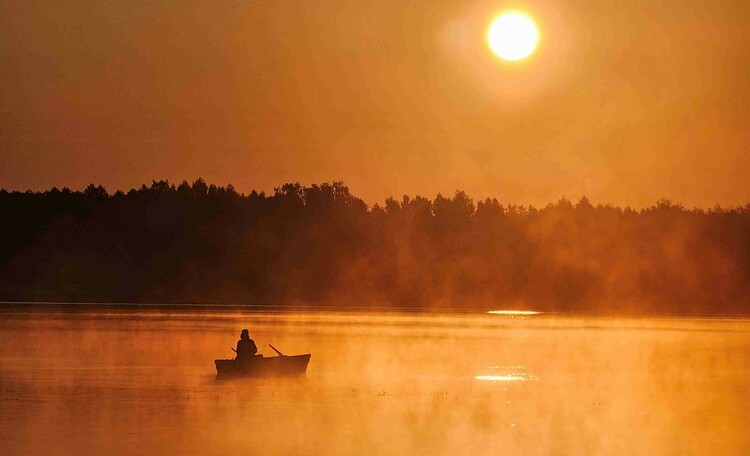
[260, 366]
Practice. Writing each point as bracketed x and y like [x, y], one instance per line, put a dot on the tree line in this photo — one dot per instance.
[321, 245]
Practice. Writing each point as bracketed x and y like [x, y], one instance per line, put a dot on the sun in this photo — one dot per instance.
[512, 36]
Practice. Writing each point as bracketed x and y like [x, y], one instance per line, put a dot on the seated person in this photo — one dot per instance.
[246, 348]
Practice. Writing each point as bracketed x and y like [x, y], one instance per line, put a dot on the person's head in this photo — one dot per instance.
[245, 334]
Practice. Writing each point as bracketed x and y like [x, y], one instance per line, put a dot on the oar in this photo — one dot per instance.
[274, 349]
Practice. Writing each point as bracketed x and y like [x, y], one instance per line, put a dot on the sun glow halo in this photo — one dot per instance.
[512, 36]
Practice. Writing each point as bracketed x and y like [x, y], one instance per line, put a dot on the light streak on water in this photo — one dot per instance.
[502, 378]
[514, 312]
[505, 374]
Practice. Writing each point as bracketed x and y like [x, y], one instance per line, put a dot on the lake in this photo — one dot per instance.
[132, 381]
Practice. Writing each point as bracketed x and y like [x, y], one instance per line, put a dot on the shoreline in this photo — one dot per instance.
[57, 306]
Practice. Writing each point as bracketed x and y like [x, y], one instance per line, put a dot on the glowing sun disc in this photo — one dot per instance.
[512, 36]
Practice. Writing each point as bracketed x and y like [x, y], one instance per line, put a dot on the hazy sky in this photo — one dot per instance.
[625, 101]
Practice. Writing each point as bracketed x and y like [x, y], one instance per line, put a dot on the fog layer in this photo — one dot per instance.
[143, 383]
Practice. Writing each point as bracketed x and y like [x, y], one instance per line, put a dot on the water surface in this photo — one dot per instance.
[142, 382]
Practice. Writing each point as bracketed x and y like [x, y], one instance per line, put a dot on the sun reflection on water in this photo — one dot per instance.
[514, 312]
[502, 378]
[505, 374]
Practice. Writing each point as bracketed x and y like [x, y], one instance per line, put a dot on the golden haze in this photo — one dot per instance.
[626, 102]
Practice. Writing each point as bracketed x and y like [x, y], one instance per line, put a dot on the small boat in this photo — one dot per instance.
[259, 366]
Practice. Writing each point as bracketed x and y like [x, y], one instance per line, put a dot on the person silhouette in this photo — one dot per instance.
[246, 348]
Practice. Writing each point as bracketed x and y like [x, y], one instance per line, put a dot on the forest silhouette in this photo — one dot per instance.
[321, 245]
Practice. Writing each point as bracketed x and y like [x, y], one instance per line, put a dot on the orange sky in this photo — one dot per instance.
[626, 102]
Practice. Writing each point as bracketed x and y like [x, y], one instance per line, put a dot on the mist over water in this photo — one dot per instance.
[142, 382]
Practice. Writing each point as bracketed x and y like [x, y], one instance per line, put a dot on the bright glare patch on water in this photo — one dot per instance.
[502, 378]
[520, 314]
[513, 312]
[505, 374]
